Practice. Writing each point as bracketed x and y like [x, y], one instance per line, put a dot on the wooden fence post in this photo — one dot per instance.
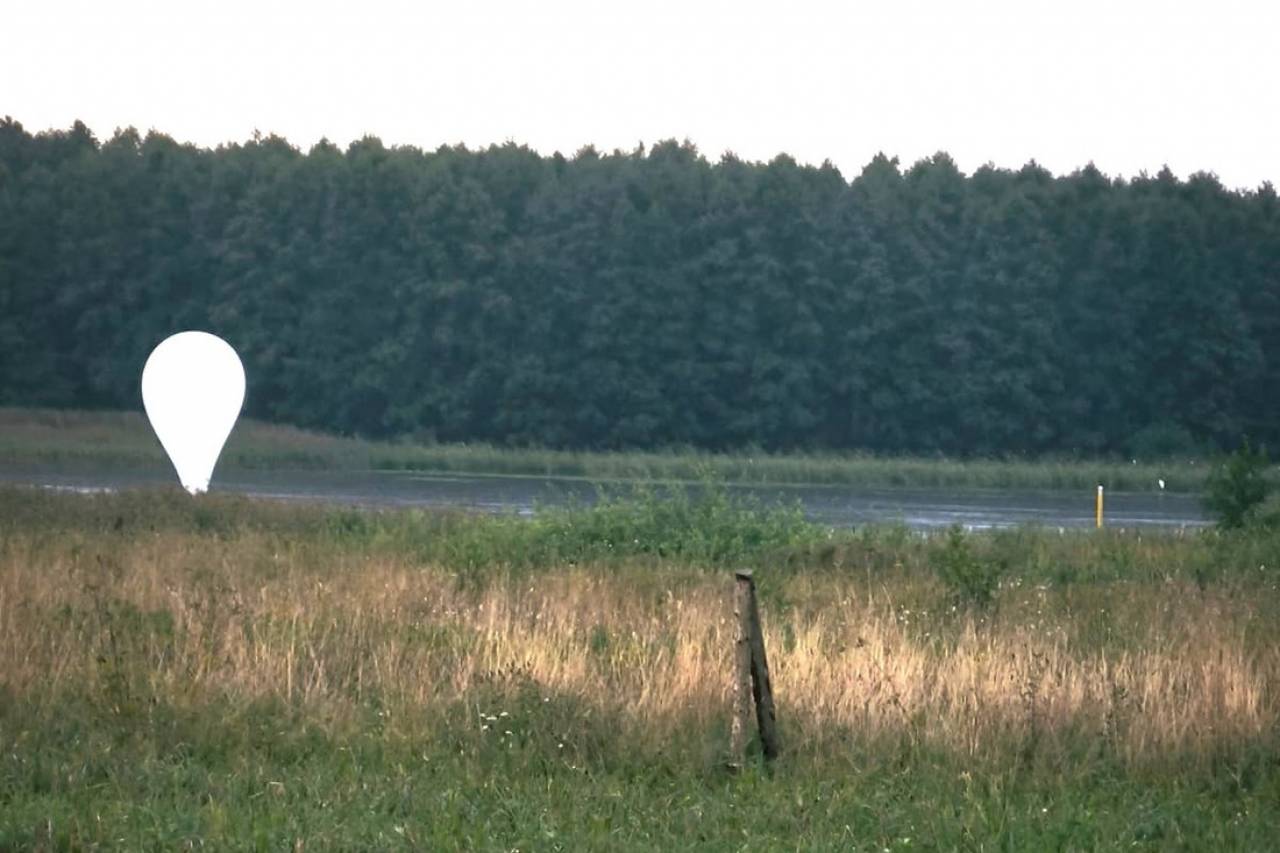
[762, 690]
[742, 692]
[751, 672]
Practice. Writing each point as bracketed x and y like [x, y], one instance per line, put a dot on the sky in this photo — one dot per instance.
[1128, 86]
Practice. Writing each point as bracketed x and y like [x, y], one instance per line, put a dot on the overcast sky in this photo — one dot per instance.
[1129, 86]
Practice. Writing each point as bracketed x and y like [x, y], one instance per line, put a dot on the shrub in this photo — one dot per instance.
[971, 580]
[706, 524]
[1237, 487]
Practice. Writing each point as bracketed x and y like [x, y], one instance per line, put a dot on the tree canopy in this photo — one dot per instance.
[647, 298]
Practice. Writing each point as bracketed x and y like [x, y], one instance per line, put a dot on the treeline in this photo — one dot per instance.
[647, 298]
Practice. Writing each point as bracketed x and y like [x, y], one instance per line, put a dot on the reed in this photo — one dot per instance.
[173, 617]
[73, 441]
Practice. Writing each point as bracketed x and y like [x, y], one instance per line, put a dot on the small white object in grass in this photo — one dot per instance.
[193, 388]
[1161, 482]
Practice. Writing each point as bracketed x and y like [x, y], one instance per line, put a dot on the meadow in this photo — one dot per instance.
[227, 673]
[64, 440]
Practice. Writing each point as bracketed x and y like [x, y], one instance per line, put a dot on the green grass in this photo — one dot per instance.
[76, 441]
[220, 672]
[261, 777]
[54, 439]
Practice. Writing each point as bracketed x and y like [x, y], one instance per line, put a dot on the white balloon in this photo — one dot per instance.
[192, 389]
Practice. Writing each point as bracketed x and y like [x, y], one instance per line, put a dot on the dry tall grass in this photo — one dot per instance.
[1144, 671]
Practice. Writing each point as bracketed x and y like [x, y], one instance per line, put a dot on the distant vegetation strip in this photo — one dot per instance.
[72, 440]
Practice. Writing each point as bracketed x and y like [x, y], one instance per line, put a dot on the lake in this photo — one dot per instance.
[835, 505]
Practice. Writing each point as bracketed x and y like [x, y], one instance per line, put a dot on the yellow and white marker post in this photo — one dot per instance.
[1098, 510]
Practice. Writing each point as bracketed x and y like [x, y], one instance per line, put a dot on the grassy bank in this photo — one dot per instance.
[217, 671]
[57, 439]
[74, 441]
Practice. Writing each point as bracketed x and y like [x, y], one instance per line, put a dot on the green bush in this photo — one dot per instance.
[972, 580]
[1237, 488]
[706, 524]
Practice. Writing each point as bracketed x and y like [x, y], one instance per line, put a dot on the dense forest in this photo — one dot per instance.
[647, 298]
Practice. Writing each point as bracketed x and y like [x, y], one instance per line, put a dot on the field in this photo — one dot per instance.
[217, 672]
[75, 441]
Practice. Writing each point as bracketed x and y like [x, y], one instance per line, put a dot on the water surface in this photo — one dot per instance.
[835, 505]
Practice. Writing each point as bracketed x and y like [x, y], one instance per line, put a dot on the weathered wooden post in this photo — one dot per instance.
[750, 675]
[761, 688]
[742, 693]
